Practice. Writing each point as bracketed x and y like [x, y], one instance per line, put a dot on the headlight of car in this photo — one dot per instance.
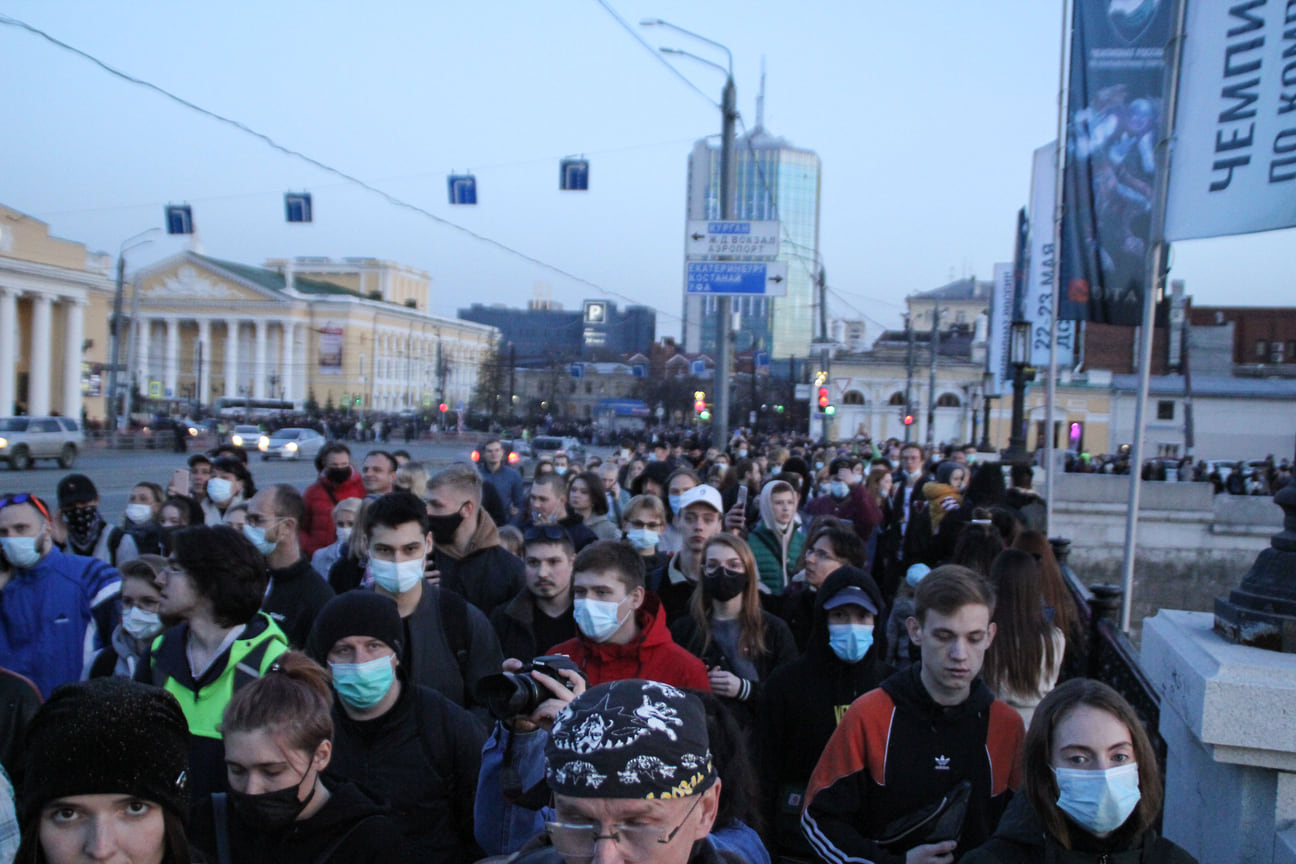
[193, 431]
[263, 443]
[291, 446]
[4, 442]
[236, 440]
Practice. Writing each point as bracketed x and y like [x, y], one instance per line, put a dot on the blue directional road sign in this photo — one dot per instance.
[741, 278]
[179, 219]
[577, 370]
[697, 367]
[297, 207]
[463, 188]
[574, 175]
[762, 358]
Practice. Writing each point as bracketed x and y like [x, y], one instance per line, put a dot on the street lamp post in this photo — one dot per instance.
[729, 118]
[1019, 356]
[114, 398]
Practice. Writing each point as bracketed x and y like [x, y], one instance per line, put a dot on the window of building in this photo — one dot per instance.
[1165, 409]
[1277, 352]
[1262, 349]
[897, 398]
[1291, 351]
[854, 397]
[948, 400]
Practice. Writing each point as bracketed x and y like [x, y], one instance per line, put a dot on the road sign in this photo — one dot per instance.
[577, 370]
[709, 240]
[697, 367]
[463, 188]
[743, 278]
[762, 359]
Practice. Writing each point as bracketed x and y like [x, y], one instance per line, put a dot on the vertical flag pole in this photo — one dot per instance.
[1058, 190]
[1155, 287]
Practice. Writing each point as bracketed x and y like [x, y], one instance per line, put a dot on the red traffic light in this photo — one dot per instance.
[908, 419]
[699, 406]
[443, 407]
[824, 401]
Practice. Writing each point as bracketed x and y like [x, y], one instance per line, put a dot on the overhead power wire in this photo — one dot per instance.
[329, 169]
[647, 46]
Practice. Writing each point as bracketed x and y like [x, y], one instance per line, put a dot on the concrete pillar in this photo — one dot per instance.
[259, 371]
[143, 346]
[8, 355]
[203, 364]
[1226, 717]
[38, 378]
[73, 336]
[171, 366]
[231, 358]
[286, 376]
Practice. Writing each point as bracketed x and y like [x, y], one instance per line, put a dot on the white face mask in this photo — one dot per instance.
[220, 490]
[396, 578]
[141, 625]
[343, 535]
[139, 513]
[22, 552]
[598, 619]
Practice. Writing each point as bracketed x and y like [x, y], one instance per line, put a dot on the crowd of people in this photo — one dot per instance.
[768, 651]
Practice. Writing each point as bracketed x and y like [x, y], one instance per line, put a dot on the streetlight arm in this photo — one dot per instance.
[710, 63]
[657, 22]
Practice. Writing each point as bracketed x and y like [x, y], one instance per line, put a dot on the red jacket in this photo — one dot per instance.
[317, 529]
[653, 655]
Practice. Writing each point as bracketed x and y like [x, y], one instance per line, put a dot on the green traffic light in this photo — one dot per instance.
[705, 415]
[831, 409]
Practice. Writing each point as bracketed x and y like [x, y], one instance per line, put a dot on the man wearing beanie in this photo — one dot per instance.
[403, 741]
[629, 764]
[57, 609]
[93, 745]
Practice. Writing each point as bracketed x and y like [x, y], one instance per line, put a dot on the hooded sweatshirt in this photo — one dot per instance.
[486, 575]
[652, 654]
[775, 550]
[804, 701]
[1021, 837]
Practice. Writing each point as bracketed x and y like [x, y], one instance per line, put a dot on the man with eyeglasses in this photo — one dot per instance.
[645, 789]
[643, 525]
[57, 609]
[296, 593]
[832, 544]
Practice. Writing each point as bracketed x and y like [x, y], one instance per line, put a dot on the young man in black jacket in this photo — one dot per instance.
[296, 592]
[540, 616]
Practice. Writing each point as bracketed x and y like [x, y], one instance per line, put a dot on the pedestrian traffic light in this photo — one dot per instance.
[824, 402]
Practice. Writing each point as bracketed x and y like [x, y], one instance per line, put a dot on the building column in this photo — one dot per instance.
[202, 369]
[8, 356]
[231, 358]
[286, 377]
[171, 366]
[38, 378]
[259, 366]
[74, 337]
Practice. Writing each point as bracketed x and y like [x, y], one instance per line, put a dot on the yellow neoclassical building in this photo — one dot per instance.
[351, 332]
[55, 304]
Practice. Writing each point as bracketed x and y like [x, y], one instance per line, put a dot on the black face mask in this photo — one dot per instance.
[270, 812]
[723, 584]
[84, 524]
[443, 528]
[337, 476]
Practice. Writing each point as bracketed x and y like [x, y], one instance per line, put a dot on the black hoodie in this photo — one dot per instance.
[804, 701]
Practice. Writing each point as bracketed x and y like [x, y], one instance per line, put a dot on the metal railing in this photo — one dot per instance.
[1107, 654]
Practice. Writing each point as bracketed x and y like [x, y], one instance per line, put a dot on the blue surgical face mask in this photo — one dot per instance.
[742, 454]
[1099, 800]
[838, 489]
[642, 538]
[850, 642]
[363, 685]
[21, 551]
[141, 625]
[256, 535]
[396, 578]
[776, 470]
[220, 490]
[674, 502]
[597, 619]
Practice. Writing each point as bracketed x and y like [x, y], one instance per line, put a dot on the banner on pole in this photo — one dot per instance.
[1233, 169]
[1114, 107]
[1001, 306]
[1038, 302]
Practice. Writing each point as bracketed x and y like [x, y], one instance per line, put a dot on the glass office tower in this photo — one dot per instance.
[778, 182]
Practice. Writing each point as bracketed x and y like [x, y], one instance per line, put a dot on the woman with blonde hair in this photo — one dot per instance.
[740, 643]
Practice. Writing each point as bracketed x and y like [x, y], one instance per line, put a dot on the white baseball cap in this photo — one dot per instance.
[704, 494]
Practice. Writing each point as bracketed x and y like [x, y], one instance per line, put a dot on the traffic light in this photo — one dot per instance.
[443, 407]
[824, 402]
[908, 419]
[699, 401]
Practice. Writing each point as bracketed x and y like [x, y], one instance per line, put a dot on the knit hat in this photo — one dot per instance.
[355, 613]
[630, 739]
[107, 736]
[75, 489]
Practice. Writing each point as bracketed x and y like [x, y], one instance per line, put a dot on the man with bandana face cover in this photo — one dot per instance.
[58, 609]
[87, 532]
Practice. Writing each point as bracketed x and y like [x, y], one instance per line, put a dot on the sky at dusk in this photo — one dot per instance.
[925, 115]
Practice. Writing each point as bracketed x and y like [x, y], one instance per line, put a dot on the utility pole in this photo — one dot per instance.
[724, 364]
[114, 399]
[934, 346]
[824, 358]
[908, 406]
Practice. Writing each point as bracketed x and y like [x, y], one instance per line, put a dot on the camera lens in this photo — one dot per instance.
[508, 694]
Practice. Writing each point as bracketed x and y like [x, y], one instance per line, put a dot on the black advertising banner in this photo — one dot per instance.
[1114, 107]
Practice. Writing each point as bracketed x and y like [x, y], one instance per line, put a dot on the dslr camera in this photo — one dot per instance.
[510, 694]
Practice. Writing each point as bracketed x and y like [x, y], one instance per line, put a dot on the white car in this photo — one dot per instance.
[26, 439]
[291, 443]
[246, 437]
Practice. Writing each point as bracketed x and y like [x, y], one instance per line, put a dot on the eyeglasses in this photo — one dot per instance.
[544, 532]
[26, 498]
[639, 523]
[256, 520]
[576, 843]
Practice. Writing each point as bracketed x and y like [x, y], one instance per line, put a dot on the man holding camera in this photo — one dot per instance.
[405, 742]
